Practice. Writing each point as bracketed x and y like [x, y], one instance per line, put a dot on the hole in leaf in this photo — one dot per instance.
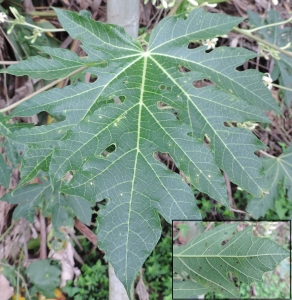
[182, 69]
[116, 99]
[203, 83]
[163, 106]
[166, 159]
[110, 149]
[207, 140]
[46, 118]
[193, 45]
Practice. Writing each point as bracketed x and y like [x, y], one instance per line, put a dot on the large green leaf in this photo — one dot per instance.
[278, 170]
[123, 109]
[213, 256]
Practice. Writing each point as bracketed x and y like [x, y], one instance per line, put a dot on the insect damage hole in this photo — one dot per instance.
[110, 149]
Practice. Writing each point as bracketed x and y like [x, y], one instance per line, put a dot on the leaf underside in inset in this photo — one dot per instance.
[122, 109]
[210, 258]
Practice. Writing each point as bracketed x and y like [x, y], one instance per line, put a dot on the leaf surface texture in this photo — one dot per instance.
[212, 257]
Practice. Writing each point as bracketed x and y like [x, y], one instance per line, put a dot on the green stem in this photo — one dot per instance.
[172, 12]
[259, 40]
[41, 90]
[269, 25]
[37, 27]
[48, 13]
[281, 87]
[6, 232]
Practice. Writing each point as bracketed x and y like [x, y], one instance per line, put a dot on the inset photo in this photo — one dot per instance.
[231, 260]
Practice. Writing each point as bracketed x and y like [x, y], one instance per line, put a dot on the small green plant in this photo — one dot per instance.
[92, 284]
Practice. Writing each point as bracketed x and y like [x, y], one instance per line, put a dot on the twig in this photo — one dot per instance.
[239, 211]
[172, 12]
[266, 154]
[86, 232]
[6, 62]
[40, 90]
[20, 276]
[5, 91]
[259, 40]
[281, 87]
[37, 27]
[229, 192]
[9, 42]
[209, 226]
[269, 25]
[43, 236]
[24, 224]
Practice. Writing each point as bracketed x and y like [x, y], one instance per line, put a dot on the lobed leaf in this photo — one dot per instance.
[212, 257]
[109, 131]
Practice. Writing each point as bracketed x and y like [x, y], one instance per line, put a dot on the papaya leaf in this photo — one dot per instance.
[218, 254]
[141, 104]
[277, 170]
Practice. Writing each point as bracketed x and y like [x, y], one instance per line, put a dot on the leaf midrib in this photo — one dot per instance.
[207, 121]
[219, 256]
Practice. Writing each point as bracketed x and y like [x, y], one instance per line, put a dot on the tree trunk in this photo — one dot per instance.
[124, 13]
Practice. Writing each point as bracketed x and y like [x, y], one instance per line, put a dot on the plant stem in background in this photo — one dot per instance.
[269, 25]
[261, 41]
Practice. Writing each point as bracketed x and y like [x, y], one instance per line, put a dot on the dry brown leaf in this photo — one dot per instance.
[5, 288]
[141, 288]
